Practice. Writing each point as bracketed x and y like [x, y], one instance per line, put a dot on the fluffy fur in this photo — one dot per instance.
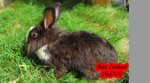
[79, 51]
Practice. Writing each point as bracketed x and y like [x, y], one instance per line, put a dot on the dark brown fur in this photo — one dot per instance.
[79, 51]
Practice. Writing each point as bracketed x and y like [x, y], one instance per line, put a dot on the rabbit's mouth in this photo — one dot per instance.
[34, 45]
[31, 48]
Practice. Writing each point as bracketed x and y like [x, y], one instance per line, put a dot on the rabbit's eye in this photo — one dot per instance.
[34, 35]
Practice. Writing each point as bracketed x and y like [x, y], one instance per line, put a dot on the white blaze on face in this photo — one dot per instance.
[31, 28]
[41, 53]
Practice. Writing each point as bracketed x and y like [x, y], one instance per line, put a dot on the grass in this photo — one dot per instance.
[15, 20]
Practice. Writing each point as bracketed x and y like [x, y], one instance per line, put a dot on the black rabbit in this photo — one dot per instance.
[79, 51]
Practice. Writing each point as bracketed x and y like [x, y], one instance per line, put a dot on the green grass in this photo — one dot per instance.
[15, 20]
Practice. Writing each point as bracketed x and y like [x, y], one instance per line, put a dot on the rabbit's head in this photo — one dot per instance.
[44, 32]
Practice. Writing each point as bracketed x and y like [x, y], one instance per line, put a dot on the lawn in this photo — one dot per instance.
[16, 19]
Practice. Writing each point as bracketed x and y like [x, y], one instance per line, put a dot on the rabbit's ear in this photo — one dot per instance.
[57, 7]
[49, 17]
[51, 14]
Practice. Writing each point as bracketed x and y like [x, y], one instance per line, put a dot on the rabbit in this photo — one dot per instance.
[68, 51]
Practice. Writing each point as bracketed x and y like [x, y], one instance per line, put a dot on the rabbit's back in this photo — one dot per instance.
[79, 50]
